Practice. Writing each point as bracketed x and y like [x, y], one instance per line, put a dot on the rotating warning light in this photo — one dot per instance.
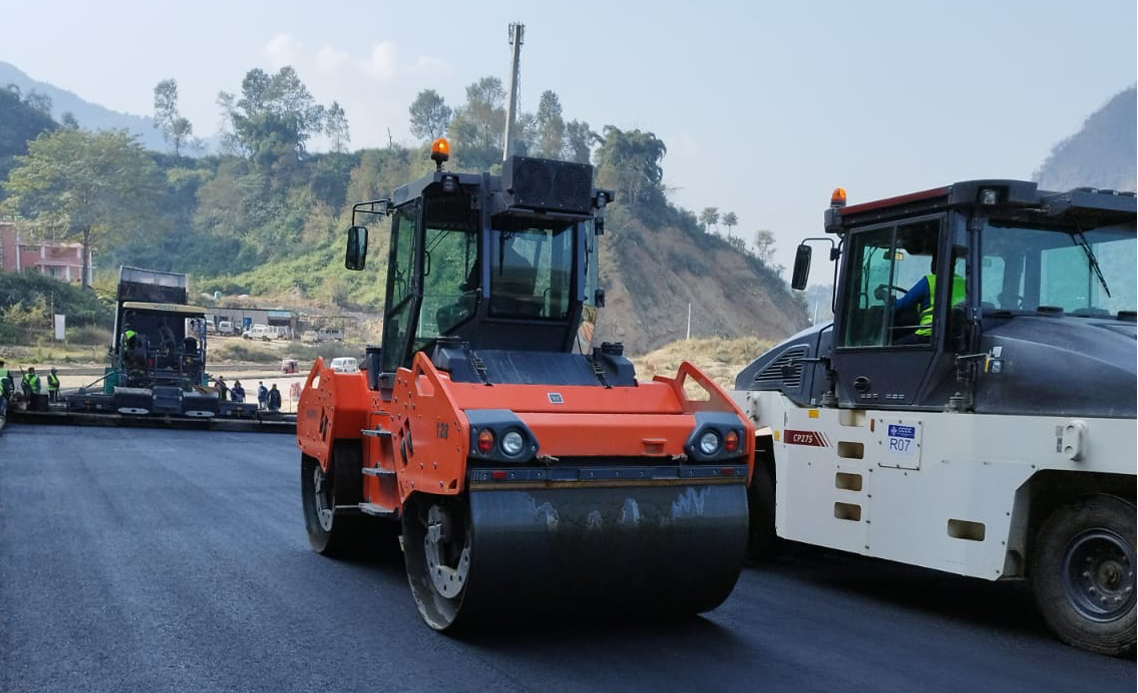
[440, 150]
[838, 198]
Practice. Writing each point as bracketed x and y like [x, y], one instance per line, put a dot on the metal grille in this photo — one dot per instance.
[552, 185]
[786, 370]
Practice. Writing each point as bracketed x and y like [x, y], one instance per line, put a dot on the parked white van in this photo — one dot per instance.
[261, 332]
[345, 364]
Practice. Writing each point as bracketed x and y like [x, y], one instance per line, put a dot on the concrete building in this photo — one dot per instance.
[64, 261]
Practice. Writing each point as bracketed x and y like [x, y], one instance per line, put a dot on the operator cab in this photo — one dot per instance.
[981, 278]
[481, 263]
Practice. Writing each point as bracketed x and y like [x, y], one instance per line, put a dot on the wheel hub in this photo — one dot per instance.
[1099, 575]
[322, 499]
[447, 564]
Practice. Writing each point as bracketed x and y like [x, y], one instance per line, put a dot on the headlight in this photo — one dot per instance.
[513, 443]
[709, 443]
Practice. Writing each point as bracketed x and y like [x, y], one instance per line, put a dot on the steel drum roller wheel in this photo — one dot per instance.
[436, 547]
[672, 550]
[330, 532]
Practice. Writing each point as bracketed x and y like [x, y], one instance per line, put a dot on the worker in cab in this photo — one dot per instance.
[129, 339]
[53, 385]
[169, 341]
[922, 298]
[31, 382]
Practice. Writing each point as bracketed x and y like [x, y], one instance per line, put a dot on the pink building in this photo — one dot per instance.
[64, 261]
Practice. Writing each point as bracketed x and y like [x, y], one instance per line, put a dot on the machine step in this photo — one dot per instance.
[376, 471]
[375, 433]
[377, 510]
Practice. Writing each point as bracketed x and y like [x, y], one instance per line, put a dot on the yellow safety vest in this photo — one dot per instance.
[926, 328]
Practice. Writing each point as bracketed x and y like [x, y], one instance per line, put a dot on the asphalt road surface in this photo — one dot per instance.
[152, 560]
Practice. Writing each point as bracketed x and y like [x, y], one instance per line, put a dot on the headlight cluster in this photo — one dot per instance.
[717, 435]
[500, 436]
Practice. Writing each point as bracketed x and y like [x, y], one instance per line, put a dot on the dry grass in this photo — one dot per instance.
[721, 359]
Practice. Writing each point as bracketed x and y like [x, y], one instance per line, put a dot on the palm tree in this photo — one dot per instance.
[729, 220]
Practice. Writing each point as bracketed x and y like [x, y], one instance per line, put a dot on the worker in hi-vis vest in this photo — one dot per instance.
[53, 385]
[922, 297]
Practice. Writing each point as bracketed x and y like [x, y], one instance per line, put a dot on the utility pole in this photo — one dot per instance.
[517, 33]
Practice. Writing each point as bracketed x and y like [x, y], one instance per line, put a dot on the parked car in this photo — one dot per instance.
[330, 334]
[225, 327]
[280, 332]
[261, 332]
[345, 364]
[310, 337]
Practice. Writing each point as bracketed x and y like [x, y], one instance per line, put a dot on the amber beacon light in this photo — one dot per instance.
[838, 198]
[440, 151]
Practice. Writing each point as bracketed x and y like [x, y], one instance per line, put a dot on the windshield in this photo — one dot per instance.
[1025, 268]
[531, 268]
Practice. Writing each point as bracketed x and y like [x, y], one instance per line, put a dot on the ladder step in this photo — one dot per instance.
[376, 471]
[375, 433]
[376, 510]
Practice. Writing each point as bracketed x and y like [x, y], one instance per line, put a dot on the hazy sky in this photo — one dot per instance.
[764, 107]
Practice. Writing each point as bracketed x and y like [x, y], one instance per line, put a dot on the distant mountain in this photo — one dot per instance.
[89, 115]
[19, 122]
[1101, 155]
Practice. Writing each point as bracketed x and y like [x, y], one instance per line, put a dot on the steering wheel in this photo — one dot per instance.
[881, 292]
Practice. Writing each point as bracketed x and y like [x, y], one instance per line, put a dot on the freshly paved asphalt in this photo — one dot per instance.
[151, 560]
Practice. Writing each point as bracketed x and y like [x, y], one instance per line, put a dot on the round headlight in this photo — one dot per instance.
[709, 443]
[512, 443]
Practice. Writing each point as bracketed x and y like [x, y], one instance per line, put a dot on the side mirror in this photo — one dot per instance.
[801, 267]
[356, 257]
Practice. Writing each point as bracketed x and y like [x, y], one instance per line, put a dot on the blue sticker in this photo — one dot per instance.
[896, 431]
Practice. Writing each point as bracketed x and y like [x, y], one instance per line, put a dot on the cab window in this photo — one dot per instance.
[889, 272]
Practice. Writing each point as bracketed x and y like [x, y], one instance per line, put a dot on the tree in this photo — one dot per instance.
[709, 217]
[89, 186]
[40, 102]
[579, 141]
[764, 246]
[479, 126]
[274, 118]
[68, 121]
[430, 116]
[631, 162]
[730, 220]
[550, 127]
[175, 129]
[336, 127]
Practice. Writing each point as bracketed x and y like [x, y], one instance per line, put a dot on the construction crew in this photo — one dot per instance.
[274, 398]
[53, 385]
[5, 388]
[31, 382]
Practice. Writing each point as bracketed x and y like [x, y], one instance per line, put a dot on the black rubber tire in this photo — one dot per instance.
[439, 611]
[762, 541]
[343, 533]
[1081, 569]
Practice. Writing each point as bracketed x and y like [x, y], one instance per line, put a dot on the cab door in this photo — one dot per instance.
[404, 287]
[879, 358]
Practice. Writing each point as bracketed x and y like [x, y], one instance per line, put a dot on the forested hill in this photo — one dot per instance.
[264, 223]
[60, 102]
[1102, 154]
